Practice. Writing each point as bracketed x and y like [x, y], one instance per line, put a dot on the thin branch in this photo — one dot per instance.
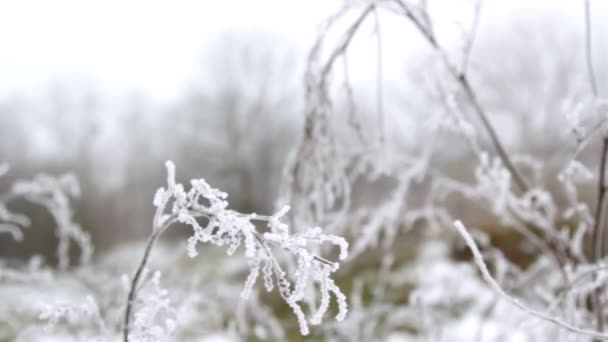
[350, 100]
[601, 196]
[379, 80]
[600, 205]
[571, 285]
[584, 141]
[341, 48]
[142, 265]
[598, 226]
[514, 301]
[589, 50]
[471, 38]
[464, 82]
[453, 108]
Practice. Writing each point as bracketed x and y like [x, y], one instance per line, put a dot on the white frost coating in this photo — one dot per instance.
[225, 227]
[496, 287]
[170, 173]
[154, 318]
[55, 194]
[73, 314]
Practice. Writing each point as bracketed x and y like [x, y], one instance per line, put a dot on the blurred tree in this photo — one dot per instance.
[239, 116]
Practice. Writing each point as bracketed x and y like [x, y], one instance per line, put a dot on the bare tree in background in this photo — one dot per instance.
[238, 119]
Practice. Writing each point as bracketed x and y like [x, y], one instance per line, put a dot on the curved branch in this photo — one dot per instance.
[462, 79]
[142, 265]
[496, 287]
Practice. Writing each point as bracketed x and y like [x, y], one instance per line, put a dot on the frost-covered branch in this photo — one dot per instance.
[54, 194]
[422, 22]
[225, 227]
[479, 260]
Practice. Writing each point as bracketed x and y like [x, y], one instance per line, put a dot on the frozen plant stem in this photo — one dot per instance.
[598, 231]
[232, 229]
[340, 50]
[462, 79]
[589, 50]
[598, 225]
[135, 281]
[601, 204]
[478, 258]
[423, 24]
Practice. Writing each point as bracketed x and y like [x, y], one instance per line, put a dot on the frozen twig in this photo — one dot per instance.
[55, 195]
[478, 258]
[589, 50]
[463, 80]
[468, 48]
[229, 228]
[598, 224]
[379, 78]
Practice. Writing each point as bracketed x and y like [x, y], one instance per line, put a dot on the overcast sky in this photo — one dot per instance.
[152, 46]
[131, 43]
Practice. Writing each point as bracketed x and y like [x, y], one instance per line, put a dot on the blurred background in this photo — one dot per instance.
[109, 90]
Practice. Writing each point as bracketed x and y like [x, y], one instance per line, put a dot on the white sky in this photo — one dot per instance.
[152, 45]
[131, 44]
